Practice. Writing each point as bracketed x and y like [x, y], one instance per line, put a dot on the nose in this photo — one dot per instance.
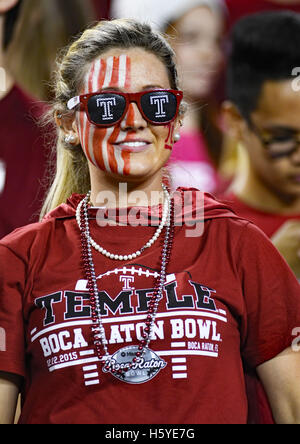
[133, 118]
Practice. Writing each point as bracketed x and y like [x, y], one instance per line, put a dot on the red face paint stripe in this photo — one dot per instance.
[126, 159]
[168, 141]
[81, 120]
[81, 127]
[85, 126]
[114, 82]
[115, 73]
[128, 73]
[87, 139]
[99, 134]
[83, 131]
[90, 80]
[98, 138]
[130, 117]
[111, 150]
[129, 137]
[102, 74]
[99, 142]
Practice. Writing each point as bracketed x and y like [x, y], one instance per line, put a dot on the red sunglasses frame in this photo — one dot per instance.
[129, 98]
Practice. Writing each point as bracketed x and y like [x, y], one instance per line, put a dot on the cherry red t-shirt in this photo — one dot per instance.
[229, 298]
[23, 160]
[269, 223]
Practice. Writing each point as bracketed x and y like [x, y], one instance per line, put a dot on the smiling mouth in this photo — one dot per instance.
[133, 146]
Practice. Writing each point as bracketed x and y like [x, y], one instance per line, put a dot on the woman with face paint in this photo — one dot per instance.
[103, 318]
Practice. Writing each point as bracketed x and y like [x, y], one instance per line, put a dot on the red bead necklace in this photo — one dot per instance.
[97, 328]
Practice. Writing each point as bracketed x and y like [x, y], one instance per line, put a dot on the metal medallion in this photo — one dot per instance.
[145, 368]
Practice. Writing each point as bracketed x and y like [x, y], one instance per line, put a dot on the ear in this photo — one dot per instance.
[234, 123]
[67, 124]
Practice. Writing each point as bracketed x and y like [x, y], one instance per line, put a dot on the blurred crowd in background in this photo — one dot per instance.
[214, 153]
[240, 135]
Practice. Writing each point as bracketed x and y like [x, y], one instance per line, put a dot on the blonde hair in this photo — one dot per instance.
[72, 174]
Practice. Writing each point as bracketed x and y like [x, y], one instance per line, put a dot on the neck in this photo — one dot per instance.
[251, 190]
[114, 194]
[6, 80]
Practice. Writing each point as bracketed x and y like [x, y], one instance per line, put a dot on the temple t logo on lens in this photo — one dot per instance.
[158, 107]
[159, 101]
[106, 103]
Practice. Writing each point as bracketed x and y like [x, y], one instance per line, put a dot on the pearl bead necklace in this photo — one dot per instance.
[164, 219]
[97, 328]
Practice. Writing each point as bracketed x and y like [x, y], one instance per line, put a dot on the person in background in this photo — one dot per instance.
[94, 317]
[194, 29]
[31, 32]
[233, 156]
[262, 115]
[22, 152]
[43, 28]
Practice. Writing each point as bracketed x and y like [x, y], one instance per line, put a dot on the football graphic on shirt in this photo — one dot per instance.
[187, 323]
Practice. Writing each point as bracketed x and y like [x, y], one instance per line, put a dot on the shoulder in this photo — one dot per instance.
[205, 205]
[35, 235]
[255, 251]
[27, 232]
[28, 107]
[34, 106]
[28, 240]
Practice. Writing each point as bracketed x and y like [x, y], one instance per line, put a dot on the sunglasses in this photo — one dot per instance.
[107, 108]
[281, 143]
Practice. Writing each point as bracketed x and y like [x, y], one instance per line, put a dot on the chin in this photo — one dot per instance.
[134, 176]
[290, 193]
